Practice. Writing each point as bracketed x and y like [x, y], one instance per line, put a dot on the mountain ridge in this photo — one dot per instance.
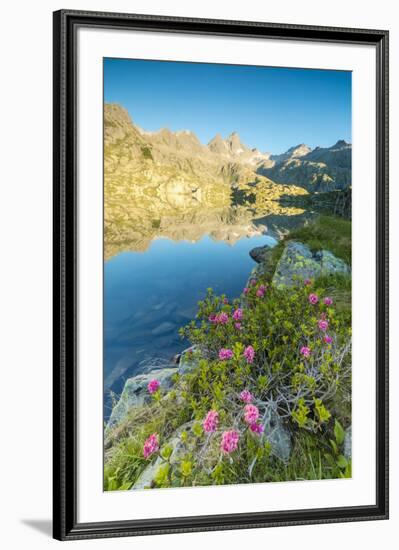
[224, 160]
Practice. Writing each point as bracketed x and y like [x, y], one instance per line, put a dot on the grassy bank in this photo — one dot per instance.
[325, 233]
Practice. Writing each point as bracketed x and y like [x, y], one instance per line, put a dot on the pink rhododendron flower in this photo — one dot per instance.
[252, 282]
[237, 315]
[249, 354]
[307, 282]
[328, 301]
[313, 298]
[225, 354]
[212, 318]
[222, 318]
[211, 421]
[153, 385]
[151, 445]
[251, 414]
[261, 291]
[323, 324]
[257, 428]
[246, 290]
[246, 396]
[328, 339]
[238, 326]
[229, 441]
[305, 351]
[225, 300]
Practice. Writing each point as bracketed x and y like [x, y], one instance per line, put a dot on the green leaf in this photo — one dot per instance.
[112, 485]
[161, 477]
[334, 446]
[186, 468]
[262, 381]
[300, 415]
[341, 461]
[321, 410]
[218, 474]
[197, 429]
[267, 448]
[339, 433]
[166, 451]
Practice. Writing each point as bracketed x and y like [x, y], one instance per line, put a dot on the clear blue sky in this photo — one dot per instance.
[271, 108]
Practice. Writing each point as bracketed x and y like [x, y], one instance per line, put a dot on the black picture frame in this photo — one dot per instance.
[66, 23]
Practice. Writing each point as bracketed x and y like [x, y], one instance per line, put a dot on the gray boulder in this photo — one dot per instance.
[277, 434]
[135, 391]
[261, 254]
[145, 480]
[297, 263]
[330, 264]
[348, 443]
[187, 362]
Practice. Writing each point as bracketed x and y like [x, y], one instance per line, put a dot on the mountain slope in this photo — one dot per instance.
[318, 170]
[297, 151]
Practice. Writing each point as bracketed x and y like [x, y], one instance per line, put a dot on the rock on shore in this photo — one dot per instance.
[135, 392]
[298, 262]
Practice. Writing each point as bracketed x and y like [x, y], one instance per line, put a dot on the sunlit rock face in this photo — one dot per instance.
[167, 184]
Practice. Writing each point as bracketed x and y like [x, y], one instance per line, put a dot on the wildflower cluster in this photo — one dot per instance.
[292, 349]
[151, 445]
[281, 350]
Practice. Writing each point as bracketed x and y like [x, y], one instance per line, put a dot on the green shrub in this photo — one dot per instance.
[277, 326]
[146, 153]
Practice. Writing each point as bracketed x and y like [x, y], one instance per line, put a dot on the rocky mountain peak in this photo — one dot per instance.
[234, 144]
[295, 152]
[218, 145]
[341, 143]
[186, 137]
[118, 126]
[299, 150]
[116, 116]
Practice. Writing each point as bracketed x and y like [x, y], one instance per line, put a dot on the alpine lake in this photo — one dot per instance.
[156, 272]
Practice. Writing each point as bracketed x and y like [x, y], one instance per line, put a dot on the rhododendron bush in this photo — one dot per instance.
[293, 349]
[280, 350]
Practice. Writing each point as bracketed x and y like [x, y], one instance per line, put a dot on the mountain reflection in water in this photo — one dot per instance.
[133, 220]
[159, 260]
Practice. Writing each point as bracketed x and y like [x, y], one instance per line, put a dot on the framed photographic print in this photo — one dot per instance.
[220, 274]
